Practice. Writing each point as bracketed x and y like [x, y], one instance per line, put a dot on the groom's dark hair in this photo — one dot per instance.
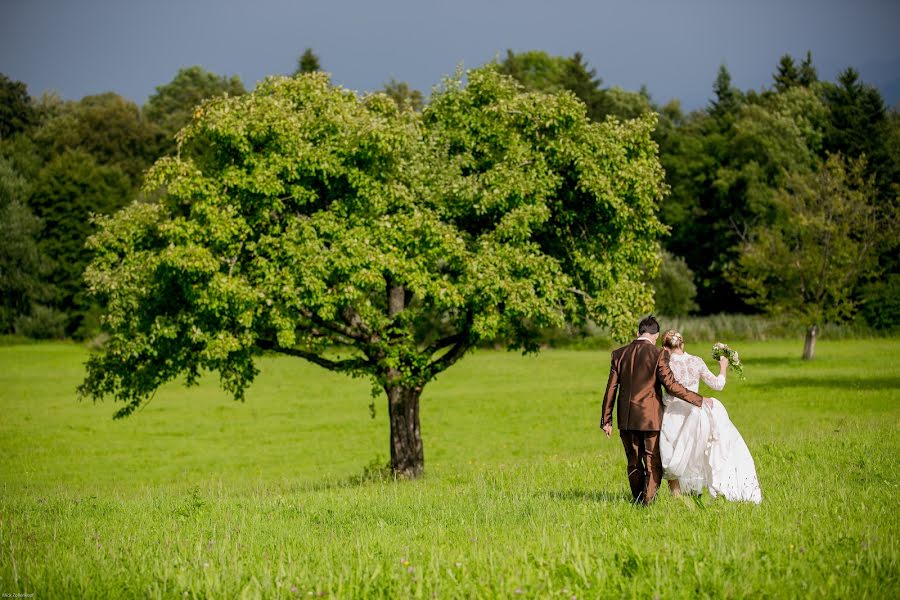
[648, 325]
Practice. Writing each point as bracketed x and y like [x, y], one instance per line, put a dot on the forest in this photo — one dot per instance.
[780, 202]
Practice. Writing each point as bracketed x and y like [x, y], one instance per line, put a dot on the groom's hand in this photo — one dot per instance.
[607, 429]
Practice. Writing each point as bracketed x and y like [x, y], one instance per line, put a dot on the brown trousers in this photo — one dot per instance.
[644, 464]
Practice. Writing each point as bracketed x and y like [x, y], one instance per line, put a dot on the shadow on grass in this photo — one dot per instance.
[836, 383]
[578, 495]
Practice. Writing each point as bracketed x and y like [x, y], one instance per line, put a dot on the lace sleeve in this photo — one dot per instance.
[716, 382]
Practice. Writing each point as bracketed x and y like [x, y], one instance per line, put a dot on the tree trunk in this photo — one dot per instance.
[809, 348]
[407, 458]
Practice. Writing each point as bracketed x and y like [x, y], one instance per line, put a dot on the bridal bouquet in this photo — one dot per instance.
[720, 350]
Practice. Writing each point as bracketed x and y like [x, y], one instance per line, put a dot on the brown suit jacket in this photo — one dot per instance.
[636, 372]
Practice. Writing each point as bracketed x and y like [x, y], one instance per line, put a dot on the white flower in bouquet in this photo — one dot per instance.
[719, 350]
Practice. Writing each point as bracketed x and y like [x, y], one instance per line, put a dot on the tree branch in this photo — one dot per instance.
[233, 260]
[742, 232]
[349, 364]
[437, 345]
[575, 290]
[461, 345]
[355, 322]
[448, 359]
[334, 327]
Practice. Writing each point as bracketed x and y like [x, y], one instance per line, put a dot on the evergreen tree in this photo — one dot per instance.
[807, 75]
[727, 100]
[857, 113]
[308, 62]
[787, 75]
[16, 110]
[582, 80]
[859, 127]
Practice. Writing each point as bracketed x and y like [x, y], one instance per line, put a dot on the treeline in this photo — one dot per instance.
[781, 201]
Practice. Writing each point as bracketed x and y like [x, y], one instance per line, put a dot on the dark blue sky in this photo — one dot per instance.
[674, 47]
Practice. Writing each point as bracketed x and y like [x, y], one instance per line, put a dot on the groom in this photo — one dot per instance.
[636, 372]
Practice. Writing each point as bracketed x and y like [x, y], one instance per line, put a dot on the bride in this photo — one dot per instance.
[700, 447]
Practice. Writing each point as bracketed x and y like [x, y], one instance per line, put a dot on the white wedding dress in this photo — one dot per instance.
[701, 447]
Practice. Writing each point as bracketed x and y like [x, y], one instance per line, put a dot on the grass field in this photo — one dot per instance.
[199, 496]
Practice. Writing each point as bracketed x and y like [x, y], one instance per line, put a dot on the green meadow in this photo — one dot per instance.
[198, 496]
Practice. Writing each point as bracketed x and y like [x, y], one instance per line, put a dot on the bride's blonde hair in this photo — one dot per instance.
[672, 339]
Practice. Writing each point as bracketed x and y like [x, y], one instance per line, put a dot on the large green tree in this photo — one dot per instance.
[300, 218]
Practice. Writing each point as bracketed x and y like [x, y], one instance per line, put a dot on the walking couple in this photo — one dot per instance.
[679, 435]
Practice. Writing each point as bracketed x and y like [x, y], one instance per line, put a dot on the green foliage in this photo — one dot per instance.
[582, 80]
[881, 302]
[674, 292]
[536, 70]
[724, 172]
[626, 105]
[858, 127]
[173, 104]
[41, 323]
[308, 62]
[404, 96]
[789, 74]
[728, 98]
[68, 191]
[857, 112]
[109, 128]
[786, 76]
[300, 217]
[23, 265]
[227, 500]
[17, 114]
[811, 258]
[807, 74]
[730, 167]
[22, 155]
